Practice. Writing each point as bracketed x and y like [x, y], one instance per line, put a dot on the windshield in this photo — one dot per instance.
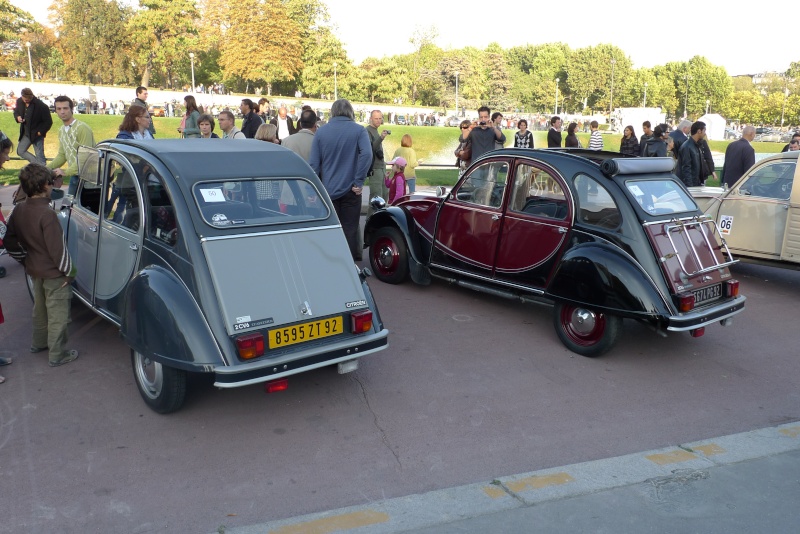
[253, 202]
[661, 197]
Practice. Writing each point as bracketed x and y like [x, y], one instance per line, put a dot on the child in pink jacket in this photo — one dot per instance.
[395, 180]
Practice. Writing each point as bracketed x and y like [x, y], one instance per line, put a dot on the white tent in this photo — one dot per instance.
[715, 126]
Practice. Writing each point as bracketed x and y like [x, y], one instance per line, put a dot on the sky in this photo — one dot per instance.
[383, 28]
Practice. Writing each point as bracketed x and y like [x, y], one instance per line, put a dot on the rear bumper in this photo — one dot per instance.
[300, 361]
[705, 316]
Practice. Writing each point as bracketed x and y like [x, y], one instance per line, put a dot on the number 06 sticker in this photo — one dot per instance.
[725, 224]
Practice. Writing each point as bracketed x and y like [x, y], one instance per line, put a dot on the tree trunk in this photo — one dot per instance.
[146, 76]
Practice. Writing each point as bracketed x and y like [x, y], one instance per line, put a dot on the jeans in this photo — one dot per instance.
[412, 184]
[348, 209]
[73, 185]
[38, 148]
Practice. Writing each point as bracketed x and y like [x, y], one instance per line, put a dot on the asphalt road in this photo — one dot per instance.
[471, 388]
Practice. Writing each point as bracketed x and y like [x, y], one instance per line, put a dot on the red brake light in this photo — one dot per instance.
[685, 302]
[281, 384]
[731, 288]
[250, 346]
[697, 332]
[361, 321]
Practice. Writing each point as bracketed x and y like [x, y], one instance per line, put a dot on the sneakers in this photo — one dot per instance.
[70, 356]
[35, 350]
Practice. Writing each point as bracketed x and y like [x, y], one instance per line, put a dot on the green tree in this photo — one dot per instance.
[589, 74]
[318, 70]
[163, 34]
[534, 70]
[498, 80]
[93, 39]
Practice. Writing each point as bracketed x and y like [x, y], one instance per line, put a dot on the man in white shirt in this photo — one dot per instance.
[284, 124]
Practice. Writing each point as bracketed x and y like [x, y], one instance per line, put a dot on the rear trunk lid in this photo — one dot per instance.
[283, 277]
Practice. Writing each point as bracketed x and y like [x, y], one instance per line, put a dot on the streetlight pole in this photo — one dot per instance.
[335, 82]
[30, 63]
[191, 56]
[783, 109]
[708, 103]
[611, 100]
[645, 95]
[686, 102]
[457, 73]
[555, 109]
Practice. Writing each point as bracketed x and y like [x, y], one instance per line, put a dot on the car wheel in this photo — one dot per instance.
[388, 256]
[162, 388]
[2, 272]
[584, 331]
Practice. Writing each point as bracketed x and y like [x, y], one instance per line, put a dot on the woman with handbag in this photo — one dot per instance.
[463, 152]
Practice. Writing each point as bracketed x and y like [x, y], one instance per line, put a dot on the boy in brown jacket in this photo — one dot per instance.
[35, 239]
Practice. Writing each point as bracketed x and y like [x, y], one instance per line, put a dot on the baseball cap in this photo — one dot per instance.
[398, 160]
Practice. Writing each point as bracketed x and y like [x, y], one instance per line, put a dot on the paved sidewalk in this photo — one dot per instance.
[742, 483]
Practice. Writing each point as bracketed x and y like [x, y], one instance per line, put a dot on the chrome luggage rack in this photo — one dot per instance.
[702, 222]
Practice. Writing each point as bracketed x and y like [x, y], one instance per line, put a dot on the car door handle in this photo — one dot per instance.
[92, 228]
[495, 217]
[562, 230]
[134, 246]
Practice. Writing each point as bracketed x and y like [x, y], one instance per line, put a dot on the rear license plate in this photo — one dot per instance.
[300, 333]
[707, 294]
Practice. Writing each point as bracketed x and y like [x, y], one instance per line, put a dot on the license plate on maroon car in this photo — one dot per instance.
[707, 294]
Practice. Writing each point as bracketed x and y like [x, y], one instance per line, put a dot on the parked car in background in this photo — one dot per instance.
[759, 217]
[400, 120]
[601, 238]
[732, 134]
[453, 121]
[218, 258]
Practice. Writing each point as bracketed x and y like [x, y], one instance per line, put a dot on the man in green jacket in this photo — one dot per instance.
[71, 135]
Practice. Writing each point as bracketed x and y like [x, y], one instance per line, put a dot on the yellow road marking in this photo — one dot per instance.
[539, 482]
[792, 432]
[335, 523]
[673, 457]
[495, 492]
[710, 450]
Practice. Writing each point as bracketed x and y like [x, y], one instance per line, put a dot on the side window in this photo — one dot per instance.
[536, 192]
[121, 202]
[89, 197]
[162, 223]
[595, 204]
[485, 185]
[771, 181]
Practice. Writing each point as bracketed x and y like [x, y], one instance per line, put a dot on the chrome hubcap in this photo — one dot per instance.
[583, 321]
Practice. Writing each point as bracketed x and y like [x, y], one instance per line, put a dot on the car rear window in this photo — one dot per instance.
[253, 202]
[660, 197]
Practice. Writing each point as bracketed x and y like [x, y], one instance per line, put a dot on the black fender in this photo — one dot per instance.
[377, 322]
[397, 217]
[601, 276]
[163, 321]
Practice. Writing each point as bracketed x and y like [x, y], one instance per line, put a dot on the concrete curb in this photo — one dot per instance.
[524, 490]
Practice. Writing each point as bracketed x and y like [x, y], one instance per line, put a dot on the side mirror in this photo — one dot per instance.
[441, 191]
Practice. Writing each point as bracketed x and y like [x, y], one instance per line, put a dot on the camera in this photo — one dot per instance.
[482, 123]
[388, 132]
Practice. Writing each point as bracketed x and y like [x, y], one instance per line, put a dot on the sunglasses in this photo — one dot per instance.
[465, 127]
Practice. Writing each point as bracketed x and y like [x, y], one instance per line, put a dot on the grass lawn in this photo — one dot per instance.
[434, 145]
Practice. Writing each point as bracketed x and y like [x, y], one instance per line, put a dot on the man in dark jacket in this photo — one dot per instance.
[646, 136]
[35, 121]
[554, 133]
[690, 156]
[251, 120]
[739, 156]
[141, 100]
[284, 124]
